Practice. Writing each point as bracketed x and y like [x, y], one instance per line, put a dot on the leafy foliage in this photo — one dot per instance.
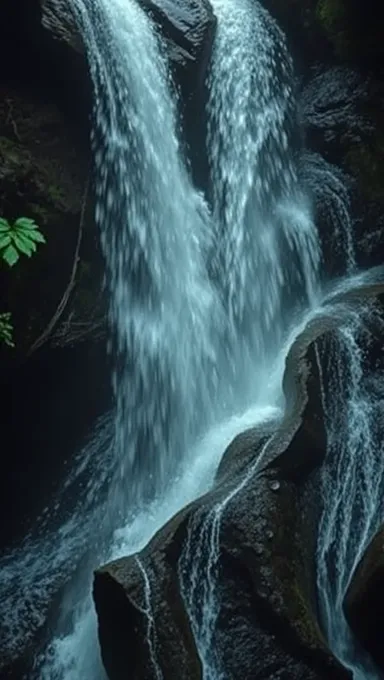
[21, 237]
[6, 329]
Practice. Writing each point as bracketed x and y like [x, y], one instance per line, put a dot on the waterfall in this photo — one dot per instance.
[155, 231]
[266, 247]
[206, 297]
[353, 485]
[266, 258]
[329, 187]
[156, 234]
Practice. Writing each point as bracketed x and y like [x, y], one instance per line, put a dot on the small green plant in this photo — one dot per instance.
[20, 237]
[6, 329]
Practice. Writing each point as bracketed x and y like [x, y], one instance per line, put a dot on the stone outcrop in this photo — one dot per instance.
[267, 626]
[364, 604]
[260, 556]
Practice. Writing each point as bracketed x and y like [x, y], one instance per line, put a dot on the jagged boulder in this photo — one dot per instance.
[262, 567]
[364, 603]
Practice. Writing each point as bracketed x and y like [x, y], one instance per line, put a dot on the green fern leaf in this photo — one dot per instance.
[5, 239]
[10, 255]
[25, 238]
[24, 245]
[4, 225]
[6, 329]
[25, 223]
[35, 236]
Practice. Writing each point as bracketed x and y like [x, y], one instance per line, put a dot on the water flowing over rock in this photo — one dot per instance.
[262, 574]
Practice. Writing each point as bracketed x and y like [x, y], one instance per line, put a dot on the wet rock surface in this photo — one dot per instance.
[364, 604]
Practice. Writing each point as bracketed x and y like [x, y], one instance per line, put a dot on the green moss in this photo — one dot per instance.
[55, 194]
[40, 213]
[332, 17]
[330, 13]
[14, 154]
[298, 609]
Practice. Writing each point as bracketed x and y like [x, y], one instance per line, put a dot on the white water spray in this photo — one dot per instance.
[155, 232]
[266, 254]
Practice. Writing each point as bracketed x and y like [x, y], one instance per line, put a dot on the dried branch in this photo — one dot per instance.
[10, 118]
[72, 331]
[64, 300]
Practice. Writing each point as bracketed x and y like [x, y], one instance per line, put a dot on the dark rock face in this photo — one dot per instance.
[364, 604]
[344, 122]
[186, 26]
[267, 626]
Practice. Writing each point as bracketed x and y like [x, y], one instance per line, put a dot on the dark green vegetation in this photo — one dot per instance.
[21, 237]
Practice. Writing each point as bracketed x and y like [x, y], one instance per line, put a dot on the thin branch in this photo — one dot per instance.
[10, 119]
[64, 300]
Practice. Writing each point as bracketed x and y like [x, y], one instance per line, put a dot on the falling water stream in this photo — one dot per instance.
[206, 297]
[353, 485]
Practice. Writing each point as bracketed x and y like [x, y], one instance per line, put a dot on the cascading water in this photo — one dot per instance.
[267, 251]
[266, 247]
[155, 231]
[201, 309]
[353, 486]
[329, 189]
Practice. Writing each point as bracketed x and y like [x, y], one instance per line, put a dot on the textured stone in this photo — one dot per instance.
[364, 603]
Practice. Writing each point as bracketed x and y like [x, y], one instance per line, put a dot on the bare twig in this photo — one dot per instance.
[64, 300]
[72, 331]
[10, 119]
